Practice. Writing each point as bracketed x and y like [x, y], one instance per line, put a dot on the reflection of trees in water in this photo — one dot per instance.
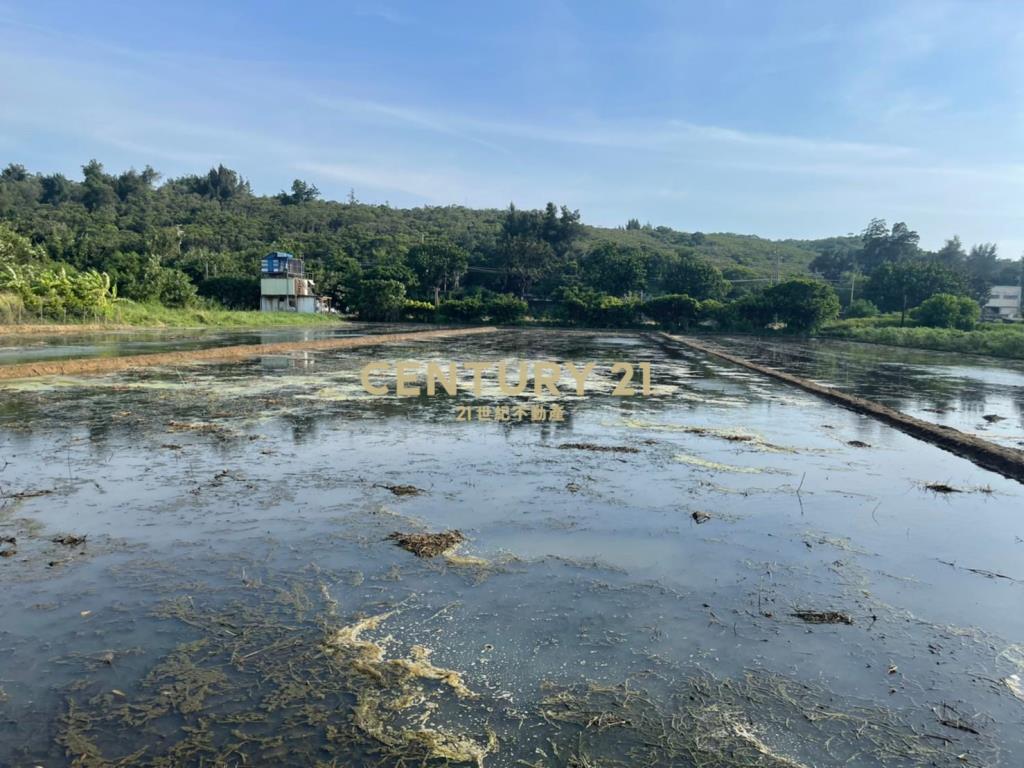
[897, 378]
[1018, 404]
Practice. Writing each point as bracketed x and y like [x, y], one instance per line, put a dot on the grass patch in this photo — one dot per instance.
[129, 314]
[159, 316]
[989, 339]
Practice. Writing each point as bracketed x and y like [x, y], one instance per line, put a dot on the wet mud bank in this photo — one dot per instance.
[1008, 462]
[221, 354]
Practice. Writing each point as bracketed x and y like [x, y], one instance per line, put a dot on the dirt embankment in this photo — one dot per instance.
[1008, 462]
[78, 366]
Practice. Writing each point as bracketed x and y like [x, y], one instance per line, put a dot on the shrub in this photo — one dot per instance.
[380, 299]
[861, 308]
[462, 310]
[675, 310]
[11, 308]
[801, 304]
[505, 308]
[174, 288]
[944, 310]
[232, 292]
[419, 311]
[58, 292]
[588, 307]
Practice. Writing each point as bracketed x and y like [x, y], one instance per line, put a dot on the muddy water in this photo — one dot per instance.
[958, 391]
[38, 348]
[237, 518]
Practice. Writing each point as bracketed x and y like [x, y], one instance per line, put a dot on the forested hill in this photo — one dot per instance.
[131, 225]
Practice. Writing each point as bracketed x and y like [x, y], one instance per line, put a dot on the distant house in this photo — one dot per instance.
[284, 286]
[1004, 303]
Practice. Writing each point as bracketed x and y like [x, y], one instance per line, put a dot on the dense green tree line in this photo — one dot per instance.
[199, 238]
[896, 274]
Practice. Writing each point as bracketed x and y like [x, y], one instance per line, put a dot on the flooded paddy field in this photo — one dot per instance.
[975, 394]
[726, 572]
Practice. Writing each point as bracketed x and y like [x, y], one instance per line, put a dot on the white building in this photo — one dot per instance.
[284, 286]
[1004, 303]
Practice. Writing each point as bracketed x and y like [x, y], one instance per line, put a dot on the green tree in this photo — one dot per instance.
[615, 269]
[439, 265]
[801, 304]
[98, 186]
[898, 286]
[525, 260]
[982, 266]
[16, 248]
[56, 189]
[380, 300]
[880, 244]
[232, 292]
[694, 277]
[952, 255]
[301, 193]
[944, 310]
[673, 310]
[835, 260]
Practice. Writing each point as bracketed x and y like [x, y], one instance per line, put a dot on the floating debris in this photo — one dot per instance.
[8, 552]
[993, 418]
[822, 617]
[752, 439]
[428, 544]
[401, 490]
[700, 517]
[69, 540]
[980, 571]
[572, 487]
[950, 718]
[599, 448]
[942, 488]
[1013, 682]
[697, 461]
[858, 444]
[30, 494]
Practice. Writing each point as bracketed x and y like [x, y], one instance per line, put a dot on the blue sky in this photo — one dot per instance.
[784, 119]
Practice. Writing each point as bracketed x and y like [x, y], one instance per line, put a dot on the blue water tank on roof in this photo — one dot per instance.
[276, 262]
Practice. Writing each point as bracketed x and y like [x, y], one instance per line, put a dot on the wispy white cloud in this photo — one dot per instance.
[384, 13]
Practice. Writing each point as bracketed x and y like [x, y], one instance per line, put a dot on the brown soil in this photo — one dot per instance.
[428, 544]
[1008, 462]
[80, 366]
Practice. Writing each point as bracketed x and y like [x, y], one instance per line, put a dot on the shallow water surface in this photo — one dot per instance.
[237, 599]
[957, 391]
